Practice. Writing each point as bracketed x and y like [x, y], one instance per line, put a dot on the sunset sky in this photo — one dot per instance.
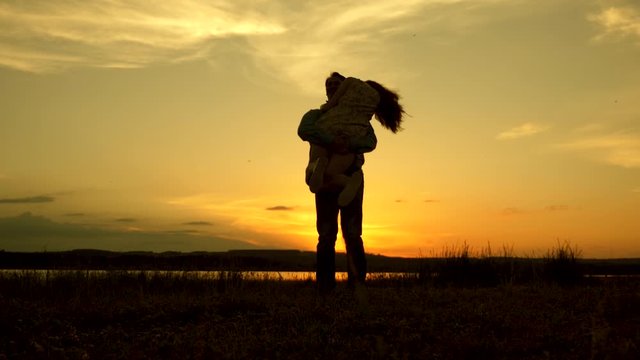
[136, 125]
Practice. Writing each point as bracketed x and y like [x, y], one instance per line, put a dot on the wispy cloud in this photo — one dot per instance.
[253, 218]
[29, 232]
[618, 22]
[620, 149]
[280, 208]
[292, 39]
[28, 200]
[181, 232]
[553, 208]
[524, 130]
[75, 214]
[511, 211]
[198, 223]
[590, 128]
[51, 35]
[349, 36]
[126, 220]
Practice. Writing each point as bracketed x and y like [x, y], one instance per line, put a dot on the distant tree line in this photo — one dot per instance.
[281, 260]
[245, 260]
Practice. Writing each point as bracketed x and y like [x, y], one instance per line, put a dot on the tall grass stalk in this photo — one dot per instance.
[461, 265]
[561, 264]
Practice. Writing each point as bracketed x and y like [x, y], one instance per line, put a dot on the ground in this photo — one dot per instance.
[140, 316]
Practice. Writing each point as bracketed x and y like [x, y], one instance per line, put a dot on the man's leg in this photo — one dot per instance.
[351, 223]
[327, 226]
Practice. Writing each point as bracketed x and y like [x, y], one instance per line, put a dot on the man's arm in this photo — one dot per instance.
[308, 131]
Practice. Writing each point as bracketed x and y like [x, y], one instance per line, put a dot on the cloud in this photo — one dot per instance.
[41, 36]
[28, 200]
[590, 128]
[512, 211]
[28, 232]
[618, 22]
[178, 232]
[289, 39]
[620, 149]
[349, 36]
[524, 130]
[280, 208]
[198, 223]
[278, 226]
[75, 214]
[126, 220]
[553, 208]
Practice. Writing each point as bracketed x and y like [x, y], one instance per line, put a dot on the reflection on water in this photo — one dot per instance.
[245, 275]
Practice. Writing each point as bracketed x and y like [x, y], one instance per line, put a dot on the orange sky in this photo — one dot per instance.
[126, 126]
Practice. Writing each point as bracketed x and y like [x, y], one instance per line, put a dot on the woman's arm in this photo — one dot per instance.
[365, 143]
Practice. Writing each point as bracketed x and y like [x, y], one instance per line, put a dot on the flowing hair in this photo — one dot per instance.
[389, 111]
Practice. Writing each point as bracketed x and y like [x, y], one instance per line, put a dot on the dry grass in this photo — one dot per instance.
[460, 265]
[138, 315]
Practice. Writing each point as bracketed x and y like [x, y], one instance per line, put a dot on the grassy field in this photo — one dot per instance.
[140, 315]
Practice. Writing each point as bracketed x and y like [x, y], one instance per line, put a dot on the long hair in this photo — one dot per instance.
[389, 111]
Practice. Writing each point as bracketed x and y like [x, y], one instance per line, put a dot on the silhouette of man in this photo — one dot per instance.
[327, 208]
